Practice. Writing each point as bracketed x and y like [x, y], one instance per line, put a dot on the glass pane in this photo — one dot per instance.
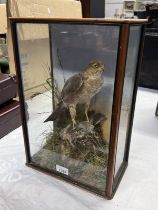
[129, 80]
[34, 49]
[69, 127]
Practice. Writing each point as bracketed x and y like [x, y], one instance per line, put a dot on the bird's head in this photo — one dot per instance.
[95, 68]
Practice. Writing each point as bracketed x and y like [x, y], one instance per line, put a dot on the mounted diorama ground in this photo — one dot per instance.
[81, 150]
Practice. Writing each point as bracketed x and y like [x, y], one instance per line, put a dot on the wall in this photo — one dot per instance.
[111, 6]
[34, 42]
[3, 19]
[2, 1]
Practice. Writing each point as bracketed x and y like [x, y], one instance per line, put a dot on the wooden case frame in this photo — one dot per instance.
[124, 24]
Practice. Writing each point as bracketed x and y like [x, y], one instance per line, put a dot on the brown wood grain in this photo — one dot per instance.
[89, 20]
[117, 106]
[8, 107]
[85, 8]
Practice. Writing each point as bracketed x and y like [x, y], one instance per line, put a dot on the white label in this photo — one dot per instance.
[62, 170]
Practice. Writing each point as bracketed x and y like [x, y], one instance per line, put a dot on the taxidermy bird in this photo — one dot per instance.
[80, 89]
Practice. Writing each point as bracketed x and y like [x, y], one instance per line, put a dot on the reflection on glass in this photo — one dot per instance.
[34, 53]
[131, 64]
[69, 126]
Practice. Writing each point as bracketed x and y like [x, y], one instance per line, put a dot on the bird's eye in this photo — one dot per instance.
[95, 65]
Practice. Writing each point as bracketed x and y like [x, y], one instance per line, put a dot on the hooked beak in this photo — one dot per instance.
[102, 69]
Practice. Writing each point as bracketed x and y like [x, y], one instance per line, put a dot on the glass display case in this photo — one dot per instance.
[81, 108]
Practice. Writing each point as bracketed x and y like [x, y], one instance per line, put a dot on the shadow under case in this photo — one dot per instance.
[79, 80]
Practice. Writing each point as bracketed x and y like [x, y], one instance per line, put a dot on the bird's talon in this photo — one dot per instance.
[95, 135]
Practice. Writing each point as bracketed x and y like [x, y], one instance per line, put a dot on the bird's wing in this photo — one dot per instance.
[72, 86]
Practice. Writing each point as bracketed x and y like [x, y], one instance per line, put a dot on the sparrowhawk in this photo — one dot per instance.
[80, 89]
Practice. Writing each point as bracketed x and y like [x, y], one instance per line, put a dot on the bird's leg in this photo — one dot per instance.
[89, 123]
[86, 113]
[72, 110]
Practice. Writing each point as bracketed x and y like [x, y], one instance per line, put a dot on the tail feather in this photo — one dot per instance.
[56, 113]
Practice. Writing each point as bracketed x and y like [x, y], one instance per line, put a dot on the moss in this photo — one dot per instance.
[90, 149]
